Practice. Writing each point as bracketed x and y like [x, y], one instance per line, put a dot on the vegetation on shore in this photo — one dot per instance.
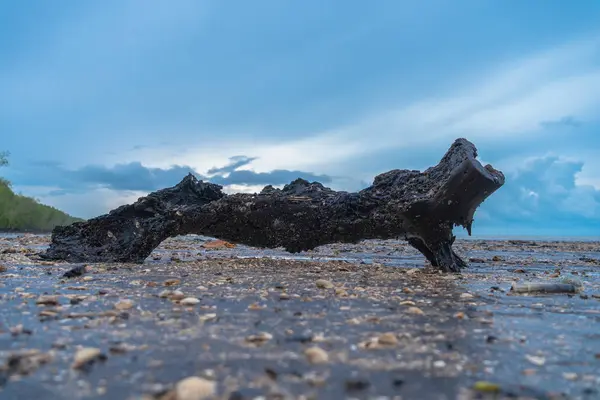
[21, 213]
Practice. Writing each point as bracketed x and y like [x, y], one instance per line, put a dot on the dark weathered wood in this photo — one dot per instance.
[421, 207]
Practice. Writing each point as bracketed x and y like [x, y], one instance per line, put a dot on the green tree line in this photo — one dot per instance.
[21, 213]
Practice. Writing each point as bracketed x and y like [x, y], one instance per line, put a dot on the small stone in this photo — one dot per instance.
[194, 388]
[284, 296]
[486, 387]
[165, 293]
[172, 282]
[3, 268]
[497, 258]
[388, 339]
[124, 305]
[256, 306]
[439, 364]
[218, 244]
[189, 301]
[570, 376]
[407, 290]
[415, 310]
[323, 284]
[87, 278]
[316, 355]
[466, 296]
[459, 315]
[177, 295]
[537, 360]
[407, 303]
[341, 292]
[46, 300]
[259, 338]
[86, 356]
[207, 317]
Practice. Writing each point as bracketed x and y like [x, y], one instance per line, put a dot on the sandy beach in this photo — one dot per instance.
[359, 321]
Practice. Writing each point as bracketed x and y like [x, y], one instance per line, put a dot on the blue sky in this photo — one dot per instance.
[102, 102]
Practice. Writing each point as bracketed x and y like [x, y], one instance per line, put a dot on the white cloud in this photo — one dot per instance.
[510, 101]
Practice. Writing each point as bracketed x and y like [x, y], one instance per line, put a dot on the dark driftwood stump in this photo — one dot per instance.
[421, 207]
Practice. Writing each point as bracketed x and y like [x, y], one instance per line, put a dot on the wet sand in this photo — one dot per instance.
[343, 321]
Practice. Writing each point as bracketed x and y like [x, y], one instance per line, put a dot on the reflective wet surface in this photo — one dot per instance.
[254, 313]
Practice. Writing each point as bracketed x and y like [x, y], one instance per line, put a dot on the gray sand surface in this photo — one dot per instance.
[343, 321]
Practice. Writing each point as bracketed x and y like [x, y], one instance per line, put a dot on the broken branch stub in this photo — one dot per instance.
[421, 207]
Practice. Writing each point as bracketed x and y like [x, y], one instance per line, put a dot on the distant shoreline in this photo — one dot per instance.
[529, 238]
[21, 231]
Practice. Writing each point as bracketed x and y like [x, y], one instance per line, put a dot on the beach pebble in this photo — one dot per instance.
[536, 360]
[194, 388]
[415, 311]
[124, 305]
[570, 376]
[177, 295]
[466, 296]
[388, 339]
[259, 338]
[316, 355]
[324, 284]
[189, 301]
[87, 355]
[47, 300]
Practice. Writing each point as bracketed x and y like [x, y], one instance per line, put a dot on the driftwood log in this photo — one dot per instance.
[420, 207]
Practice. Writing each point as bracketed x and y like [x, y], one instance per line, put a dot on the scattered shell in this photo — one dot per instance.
[316, 355]
[571, 376]
[323, 284]
[189, 301]
[124, 304]
[388, 339]
[259, 338]
[537, 360]
[194, 388]
[47, 300]
[415, 310]
[207, 317]
[218, 244]
[87, 355]
[177, 295]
